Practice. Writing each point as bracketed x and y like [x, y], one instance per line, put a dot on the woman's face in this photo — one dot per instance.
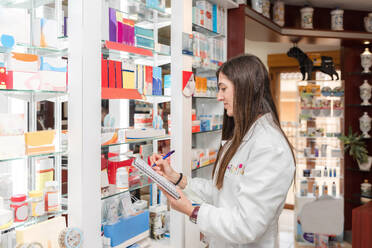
[226, 93]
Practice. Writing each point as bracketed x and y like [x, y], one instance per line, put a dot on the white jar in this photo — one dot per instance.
[307, 17]
[257, 5]
[278, 13]
[266, 8]
[368, 22]
[337, 19]
[366, 188]
[122, 176]
[365, 93]
[366, 60]
[365, 125]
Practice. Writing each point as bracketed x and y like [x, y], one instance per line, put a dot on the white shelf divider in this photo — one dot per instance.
[84, 122]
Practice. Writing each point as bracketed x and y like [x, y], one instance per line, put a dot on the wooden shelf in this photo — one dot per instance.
[316, 33]
[358, 105]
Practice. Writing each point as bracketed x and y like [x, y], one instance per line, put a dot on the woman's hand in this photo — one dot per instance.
[163, 168]
[182, 205]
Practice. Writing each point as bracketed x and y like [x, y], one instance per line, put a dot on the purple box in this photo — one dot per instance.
[113, 25]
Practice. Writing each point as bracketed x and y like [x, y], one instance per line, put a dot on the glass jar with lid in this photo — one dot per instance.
[20, 207]
[36, 203]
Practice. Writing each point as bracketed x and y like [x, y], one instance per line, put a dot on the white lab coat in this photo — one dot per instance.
[245, 212]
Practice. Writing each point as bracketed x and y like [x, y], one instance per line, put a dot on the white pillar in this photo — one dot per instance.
[180, 108]
[84, 118]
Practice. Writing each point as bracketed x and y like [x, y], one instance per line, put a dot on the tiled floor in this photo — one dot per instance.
[286, 231]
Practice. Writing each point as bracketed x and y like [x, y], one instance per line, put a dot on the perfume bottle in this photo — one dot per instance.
[325, 173]
[334, 190]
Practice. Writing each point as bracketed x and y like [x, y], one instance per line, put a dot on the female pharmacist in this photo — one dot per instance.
[254, 168]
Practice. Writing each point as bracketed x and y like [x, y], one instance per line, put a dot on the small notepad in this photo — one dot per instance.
[158, 179]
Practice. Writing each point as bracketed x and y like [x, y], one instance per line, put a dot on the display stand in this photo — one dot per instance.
[319, 152]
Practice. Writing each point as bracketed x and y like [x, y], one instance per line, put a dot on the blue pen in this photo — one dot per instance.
[166, 155]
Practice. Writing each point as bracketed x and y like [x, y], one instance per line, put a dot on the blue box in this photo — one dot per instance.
[148, 33]
[144, 42]
[127, 228]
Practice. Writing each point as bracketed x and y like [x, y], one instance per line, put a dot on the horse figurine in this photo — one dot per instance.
[307, 66]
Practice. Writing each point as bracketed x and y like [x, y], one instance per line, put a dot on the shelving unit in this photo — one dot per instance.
[318, 33]
[354, 77]
[22, 168]
[321, 157]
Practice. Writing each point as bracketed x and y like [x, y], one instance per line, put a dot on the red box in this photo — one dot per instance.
[104, 73]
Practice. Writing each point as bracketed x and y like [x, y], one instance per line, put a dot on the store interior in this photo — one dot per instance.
[90, 88]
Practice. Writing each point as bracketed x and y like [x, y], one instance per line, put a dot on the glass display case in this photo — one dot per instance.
[319, 152]
[33, 86]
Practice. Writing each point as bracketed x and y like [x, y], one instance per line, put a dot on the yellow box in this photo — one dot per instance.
[40, 142]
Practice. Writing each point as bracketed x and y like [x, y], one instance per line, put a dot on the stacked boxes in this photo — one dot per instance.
[146, 79]
[209, 16]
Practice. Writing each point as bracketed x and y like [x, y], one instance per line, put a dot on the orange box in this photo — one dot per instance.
[40, 142]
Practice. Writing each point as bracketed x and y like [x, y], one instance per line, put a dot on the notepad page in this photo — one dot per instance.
[158, 179]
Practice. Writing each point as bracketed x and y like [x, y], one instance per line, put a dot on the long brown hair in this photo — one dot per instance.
[252, 98]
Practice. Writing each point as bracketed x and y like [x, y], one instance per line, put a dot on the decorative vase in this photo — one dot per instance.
[365, 124]
[366, 60]
[368, 22]
[337, 19]
[257, 5]
[307, 17]
[266, 8]
[367, 165]
[278, 15]
[365, 93]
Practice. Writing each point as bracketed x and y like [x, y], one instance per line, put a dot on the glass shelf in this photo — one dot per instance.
[32, 221]
[130, 189]
[155, 99]
[23, 4]
[206, 31]
[142, 56]
[7, 159]
[204, 166]
[33, 95]
[319, 158]
[321, 137]
[133, 141]
[210, 131]
[206, 97]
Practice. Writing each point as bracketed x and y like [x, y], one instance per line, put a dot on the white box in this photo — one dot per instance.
[26, 80]
[12, 124]
[143, 133]
[208, 15]
[45, 32]
[23, 62]
[53, 80]
[201, 5]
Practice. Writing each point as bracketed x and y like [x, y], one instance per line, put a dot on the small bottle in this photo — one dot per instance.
[325, 172]
[36, 203]
[314, 188]
[334, 172]
[51, 197]
[316, 191]
[334, 190]
[325, 189]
